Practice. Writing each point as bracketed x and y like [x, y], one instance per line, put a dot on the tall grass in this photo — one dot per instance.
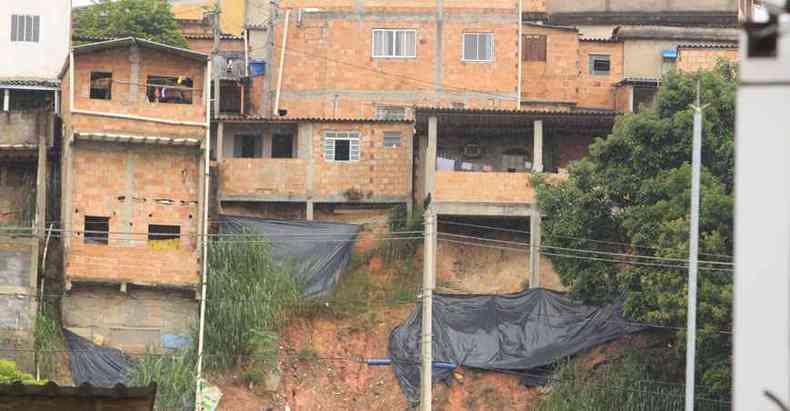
[399, 220]
[174, 374]
[625, 384]
[49, 344]
[248, 299]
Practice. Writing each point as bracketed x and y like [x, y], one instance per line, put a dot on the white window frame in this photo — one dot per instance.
[331, 136]
[394, 37]
[478, 34]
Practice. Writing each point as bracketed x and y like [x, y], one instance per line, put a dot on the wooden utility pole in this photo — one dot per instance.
[428, 284]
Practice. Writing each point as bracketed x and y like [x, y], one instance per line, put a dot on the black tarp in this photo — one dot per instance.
[318, 250]
[98, 366]
[513, 332]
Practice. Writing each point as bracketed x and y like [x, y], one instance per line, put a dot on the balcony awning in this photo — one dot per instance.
[493, 122]
[125, 138]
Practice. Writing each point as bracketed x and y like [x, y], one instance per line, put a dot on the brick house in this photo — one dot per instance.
[343, 79]
[135, 125]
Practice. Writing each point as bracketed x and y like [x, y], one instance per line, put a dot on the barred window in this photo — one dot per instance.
[341, 146]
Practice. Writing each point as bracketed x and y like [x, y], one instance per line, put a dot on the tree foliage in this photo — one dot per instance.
[146, 19]
[632, 195]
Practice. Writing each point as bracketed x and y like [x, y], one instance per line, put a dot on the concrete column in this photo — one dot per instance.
[537, 147]
[220, 141]
[6, 100]
[430, 155]
[134, 76]
[428, 284]
[535, 232]
[309, 210]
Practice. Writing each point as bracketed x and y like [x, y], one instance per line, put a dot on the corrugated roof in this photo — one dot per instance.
[690, 34]
[596, 33]
[709, 45]
[125, 138]
[207, 36]
[496, 111]
[129, 41]
[550, 26]
[239, 117]
[52, 389]
[48, 84]
[643, 81]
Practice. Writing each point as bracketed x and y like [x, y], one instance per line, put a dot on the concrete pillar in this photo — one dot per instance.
[220, 141]
[6, 100]
[309, 210]
[535, 232]
[430, 155]
[134, 76]
[537, 147]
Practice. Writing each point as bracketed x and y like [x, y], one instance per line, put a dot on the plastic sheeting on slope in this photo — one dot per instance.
[98, 366]
[521, 331]
[319, 250]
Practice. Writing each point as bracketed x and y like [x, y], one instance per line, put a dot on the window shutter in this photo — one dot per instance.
[354, 151]
[329, 147]
[14, 27]
[534, 47]
[36, 20]
[28, 28]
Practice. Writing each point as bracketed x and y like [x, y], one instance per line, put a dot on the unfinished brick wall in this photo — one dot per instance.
[695, 59]
[555, 79]
[596, 91]
[484, 187]
[381, 174]
[206, 44]
[134, 186]
[130, 71]
[329, 68]
[263, 177]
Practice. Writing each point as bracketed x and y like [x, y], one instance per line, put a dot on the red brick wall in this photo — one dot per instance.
[695, 59]
[251, 177]
[484, 187]
[127, 183]
[152, 62]
[381, 173]
[327, 54]
[595, 91]
[556, 79]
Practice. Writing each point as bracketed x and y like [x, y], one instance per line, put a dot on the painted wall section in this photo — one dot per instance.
[40, 59]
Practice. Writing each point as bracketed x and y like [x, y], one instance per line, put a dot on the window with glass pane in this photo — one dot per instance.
[341, 146]
[25, 28]
[478, 46]
[394, 43]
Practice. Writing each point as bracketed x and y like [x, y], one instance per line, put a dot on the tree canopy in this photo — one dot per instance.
[631, 195]
[145, 19]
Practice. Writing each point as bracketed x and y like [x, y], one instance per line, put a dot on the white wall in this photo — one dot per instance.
[762, 230]
[30, 60]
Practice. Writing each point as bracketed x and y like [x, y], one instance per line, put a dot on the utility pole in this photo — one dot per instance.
[428, 284]
[691, 329]
[215, 54]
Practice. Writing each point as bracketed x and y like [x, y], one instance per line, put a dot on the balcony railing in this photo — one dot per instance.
[262, 178]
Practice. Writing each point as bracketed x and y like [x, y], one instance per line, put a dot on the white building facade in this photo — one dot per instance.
[34, 38]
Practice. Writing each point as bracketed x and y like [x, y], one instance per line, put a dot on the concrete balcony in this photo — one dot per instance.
[19, 129]
[487, 187]
[263, 179]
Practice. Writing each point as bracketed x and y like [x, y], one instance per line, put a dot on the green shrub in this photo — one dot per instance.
[9, 374]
